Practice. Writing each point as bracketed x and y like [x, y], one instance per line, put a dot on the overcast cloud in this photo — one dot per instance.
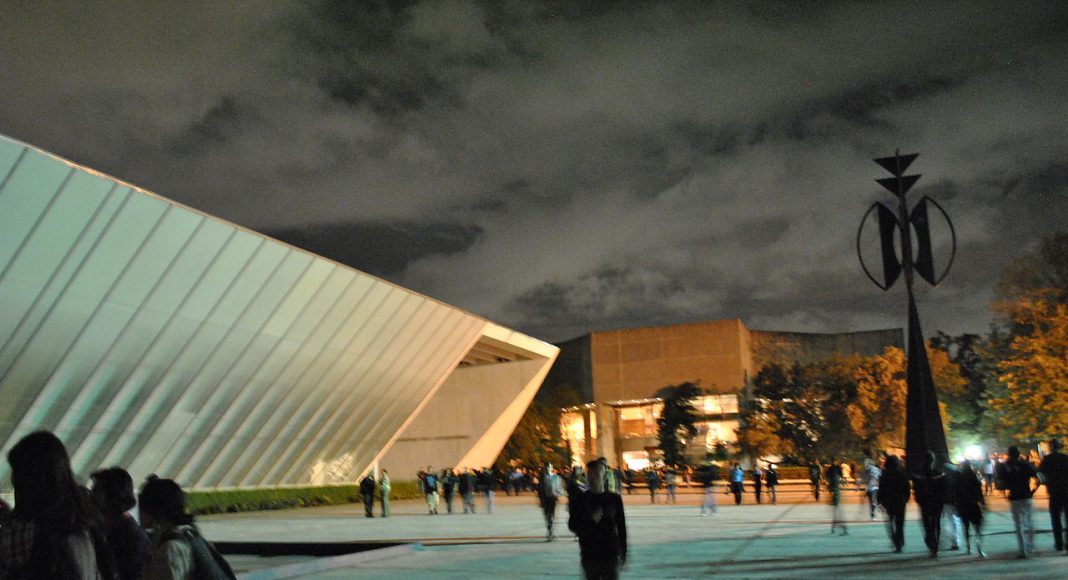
[567, 167]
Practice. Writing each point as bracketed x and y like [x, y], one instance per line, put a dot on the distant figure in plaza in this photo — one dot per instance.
[598, 520]
[671, 483]
[758, 482]
[1015, 476]
[367, 491]
[448, 487]
[550, 488]
[989, 471]
[114, 494]
[430, 490]
[652, 480]
[835, 482]
[179, 551]
[468, 485]
[576, 481]
[737, 483]
[385, 486]
[771, 479]
[628, 480]
[55, 529]
[1053, 471]
[488, 482]
[930, 486]
[870, 477]
[814, 476]
[893, 495]
[951, 522]
[967, 493]
[707, 476]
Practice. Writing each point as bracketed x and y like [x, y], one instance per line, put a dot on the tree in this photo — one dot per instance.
[677, 423]
[537, 439]
[877, 414]
[1034, 403]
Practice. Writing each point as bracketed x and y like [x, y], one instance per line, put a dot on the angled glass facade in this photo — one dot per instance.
[150, 335]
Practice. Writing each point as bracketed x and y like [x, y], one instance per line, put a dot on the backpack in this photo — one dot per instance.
[208, 563]
[430, 484]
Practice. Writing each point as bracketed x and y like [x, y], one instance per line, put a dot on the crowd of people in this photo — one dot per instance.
[60, 529]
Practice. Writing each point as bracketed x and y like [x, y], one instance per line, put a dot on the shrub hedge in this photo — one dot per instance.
[277, 498]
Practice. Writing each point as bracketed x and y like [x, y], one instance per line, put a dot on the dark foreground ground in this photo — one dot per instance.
[788, 540]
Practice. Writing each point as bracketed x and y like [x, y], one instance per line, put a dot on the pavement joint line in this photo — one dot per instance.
[744, 545]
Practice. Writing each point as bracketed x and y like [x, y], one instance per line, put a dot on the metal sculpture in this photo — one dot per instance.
[923, 423]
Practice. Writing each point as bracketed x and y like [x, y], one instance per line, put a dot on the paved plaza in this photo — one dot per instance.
[788, 540]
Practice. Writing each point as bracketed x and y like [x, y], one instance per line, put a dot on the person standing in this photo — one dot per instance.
[989, 469]
[835, 481]
[488, 480]
[430, 490]
[597, 518]
[930, 487]
[771, 478]
[448, 487]
[367, 491]
[1053, 471]
[1015, 476]
[550, 488]
[968, 495]
[893, 495]
[468, 484]
[951, 522]
[707, 475]
[758, 482]
[114, 495]
[384, 488]
[671, 482]
[814, 474]
[652, 480]
[737, 483]
[179, 552]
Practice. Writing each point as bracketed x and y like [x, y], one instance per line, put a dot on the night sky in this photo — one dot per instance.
[560, 167]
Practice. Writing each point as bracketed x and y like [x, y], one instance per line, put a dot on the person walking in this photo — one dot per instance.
[367, 491]
[771, 479]
[737, 483]
[550, 488]
[989, 470]
[871, 475]
[835, 481]
[597, 518]
[1015, 476]
[951, 522]
[430, 490]
[814, 474]
[1053, 472]
[758, 482]
[448, 487]
[671, 483]
[707, 475]
[468, 484]
[385, 486]
[893, 495]
[930, 485]
[967, 493]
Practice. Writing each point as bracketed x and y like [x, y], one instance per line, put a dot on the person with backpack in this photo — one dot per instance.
[1015, 476]
[55, 529]
[179, 552]
[367, 491]
[550, 488]
[430, 490]
[114, 494]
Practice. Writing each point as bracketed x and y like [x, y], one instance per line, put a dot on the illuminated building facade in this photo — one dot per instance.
[619, 373]
[152, 336]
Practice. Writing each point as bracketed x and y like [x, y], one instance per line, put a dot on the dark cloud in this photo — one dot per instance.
[382, 249]
[565, 166]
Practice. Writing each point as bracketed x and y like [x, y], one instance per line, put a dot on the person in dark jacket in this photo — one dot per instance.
[448, 487]
[931, 493]
[967, 494]
[468, 485]
[1015, 476]
[771, 479]
[367, 490]
[893, 496]
[1053, 472]
[652, 480]
[597, 518]
[114, 494]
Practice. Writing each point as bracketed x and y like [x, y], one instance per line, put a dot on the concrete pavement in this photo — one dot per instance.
[789, 540]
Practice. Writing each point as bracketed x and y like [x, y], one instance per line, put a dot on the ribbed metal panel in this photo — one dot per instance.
[152, 336]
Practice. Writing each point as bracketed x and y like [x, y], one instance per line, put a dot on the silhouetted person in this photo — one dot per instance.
[1015, 476]
[367, 491]
[598, 520]
[178, 549]
[448, 487]
[893, 496]
[114, 494]
[835, 482]
[707, 476]
[737, 483]
[1054, 474]
[771, 478]
[814, 475]
[467, 486]
[55, 529]
[758, 482]
[652, 480]
[671, 484]
[930, 486]
[968, 496]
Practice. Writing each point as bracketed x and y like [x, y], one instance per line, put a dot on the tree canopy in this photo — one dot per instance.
[677, 423]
